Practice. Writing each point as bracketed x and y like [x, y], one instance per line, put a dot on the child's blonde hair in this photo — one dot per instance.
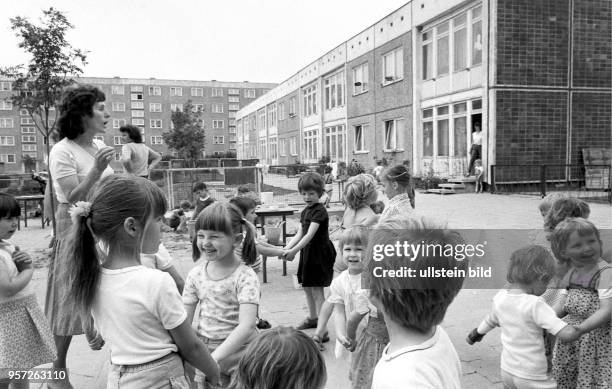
[563, 208]
[548, 201]
[562, 232]
[280, 358]
[530, 264]
[360, 191]
[357, 235]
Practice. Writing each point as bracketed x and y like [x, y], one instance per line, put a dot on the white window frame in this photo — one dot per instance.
[177, 106]
[282, 148]
[155, 107]
[7, 140]
[360, 76]
[360, 137]
[311, 145]
[118, 106]
[334, 90]
[157, 140]
[136, 97]
[28, 138]
[261, 119]
[117, 123]
[117, 140]
[233, 107]
[154, 90]
[137, 105]
[282, 110]
[457, 27]
[28, 130]
[176, 91]
[217, 108]
[7, 123]
[391, 133]
[233, 99]
[293, 146]
[118, 90]
[197, 92]
[218, 124]
[25, 121]
[6, 86]
[137, 114]
[393, 66]
[28, 147]
[292, 106]
[217, 92]
[155, 123]
[136, 88]
[309, 95]
[218, 140]
[138, 122]
[335, 135]
[7, 158]
[272, 115]
[250, 93]
[233, 91]
[6, 105]
[99, 137]
[197, 107]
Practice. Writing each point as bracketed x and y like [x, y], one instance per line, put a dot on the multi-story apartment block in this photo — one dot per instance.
[537, 76]
[146, 103]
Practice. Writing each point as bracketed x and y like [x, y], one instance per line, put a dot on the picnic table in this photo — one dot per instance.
[26, 199]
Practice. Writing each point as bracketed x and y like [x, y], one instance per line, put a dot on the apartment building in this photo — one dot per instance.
[146, 103]
[536, 76]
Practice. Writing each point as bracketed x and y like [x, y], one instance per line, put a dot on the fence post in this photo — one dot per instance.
[543, 180]
[492, 189]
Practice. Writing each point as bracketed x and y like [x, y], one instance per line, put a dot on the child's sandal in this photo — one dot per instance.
[319, 342]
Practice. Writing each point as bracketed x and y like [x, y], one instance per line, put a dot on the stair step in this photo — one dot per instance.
[452, 186]
[461, 180]
[441, 191]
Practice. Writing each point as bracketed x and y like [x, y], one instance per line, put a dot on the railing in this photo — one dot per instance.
[588, 182]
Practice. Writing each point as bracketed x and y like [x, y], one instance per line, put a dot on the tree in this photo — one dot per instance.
[52, 65]
[187, 134]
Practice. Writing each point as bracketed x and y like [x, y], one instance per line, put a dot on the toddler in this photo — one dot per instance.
[203, 199]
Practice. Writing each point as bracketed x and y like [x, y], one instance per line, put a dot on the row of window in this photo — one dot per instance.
[9, 122]
[178, 91]
[117, 106]
[9, 140]
[158, 123]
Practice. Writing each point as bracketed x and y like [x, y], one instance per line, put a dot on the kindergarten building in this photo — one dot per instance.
[536, 75]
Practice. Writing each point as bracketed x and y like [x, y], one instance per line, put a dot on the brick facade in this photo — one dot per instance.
[591, 123]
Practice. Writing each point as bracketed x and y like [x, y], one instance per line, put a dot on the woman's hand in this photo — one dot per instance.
[22, 260]
[103, 157]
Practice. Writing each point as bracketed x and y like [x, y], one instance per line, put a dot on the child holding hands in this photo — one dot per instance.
[25, 336]
[317, 252]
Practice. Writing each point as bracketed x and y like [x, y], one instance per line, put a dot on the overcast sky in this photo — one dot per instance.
[224, 40]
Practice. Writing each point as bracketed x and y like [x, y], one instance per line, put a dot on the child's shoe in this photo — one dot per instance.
[263, 324]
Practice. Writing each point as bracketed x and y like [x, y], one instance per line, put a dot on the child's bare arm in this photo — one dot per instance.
[10, 286]
[295, 239]
[340, 321]
[485, 326]
[190, 308]
[558, 307]
[597, 319]
[568, 333]
[353, 322]
[178, 280]
[194, 351]
[240, 334]
[306, 239]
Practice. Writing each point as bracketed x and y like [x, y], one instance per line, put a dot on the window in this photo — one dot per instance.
[428, 55]
[7, 158]
[6, 122]
[31, 155]
[117, 90]
[360, 137]
[218, 140]
[261, 120]
[6, 86]
[310, 100]
[233, 107]
[477, 35]
[460, 44]
[117, 140]
[334, 91]
[234, 99]
[137, 114]
[281, 111]
[7, 141]
[155, 107]
[118, 123]
[155, 123]
[137, 105]
[118, 107]
[154, 91]
[28, 130]
[249, 93]
[460, 130]
[28, 138]
[334, 142]
[197, 92]
[138, 122]
[393, 66]
[292, 111]
[136, 96]
[428, 132]
[311, 140]
[176, 91]
[157, 140]
[28, 147]
[217, 108]
[99, 137]
[231, 115]
[176, 107]
[392, 129]
[26, 121]
[6, 105]
[136, 88]
[231, 122]
[293, 145]
[360, 79]
[233, 92]
[232, 130]
[272, 115]
[442, 48]
[197, 108]
[442, 131]
[218, 123]
[217, 92]
[282, 149]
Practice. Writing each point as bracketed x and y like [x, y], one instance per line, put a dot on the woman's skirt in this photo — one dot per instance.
[25, 337]
[63, 319]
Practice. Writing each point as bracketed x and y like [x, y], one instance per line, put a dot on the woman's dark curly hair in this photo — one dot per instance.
[77, 102]
[132, 132]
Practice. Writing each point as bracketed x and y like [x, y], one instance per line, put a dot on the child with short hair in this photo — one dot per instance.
[548, 201]
[203, 200]
[138, 310]
[178, 219]
[563, 208]
[419, 354]
[317, 252]
[399, 191]
[586, 304]
[25, 337]
[281, 358]
[522, 315]
[328, 178]
[479, 173]
[247, 191]
[224, 285]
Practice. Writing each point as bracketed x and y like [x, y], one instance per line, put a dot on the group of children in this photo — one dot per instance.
[146, 315]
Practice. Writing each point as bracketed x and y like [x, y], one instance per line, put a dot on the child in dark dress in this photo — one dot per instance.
[317, 252]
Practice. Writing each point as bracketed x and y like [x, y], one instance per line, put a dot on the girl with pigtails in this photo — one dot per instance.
[137, 309]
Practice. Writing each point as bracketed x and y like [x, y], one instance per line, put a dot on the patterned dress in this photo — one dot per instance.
[398, 205]
[586, 362]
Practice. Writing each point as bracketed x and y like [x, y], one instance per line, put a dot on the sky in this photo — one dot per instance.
[223, 40]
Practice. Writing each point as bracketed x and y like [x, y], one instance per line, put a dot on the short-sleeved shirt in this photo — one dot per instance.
[134, 308]
[220, 299]
[522, 317]
[433, 364]
[477, 137]
[67, 158]
[344, 290]
[138, 155]
[363, 305]
[6, 257]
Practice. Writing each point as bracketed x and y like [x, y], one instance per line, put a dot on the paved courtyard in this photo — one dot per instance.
[480, 363]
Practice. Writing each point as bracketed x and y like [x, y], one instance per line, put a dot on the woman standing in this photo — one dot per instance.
[77, 162]
[135, 155]
[399, 190]
[476, 150]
